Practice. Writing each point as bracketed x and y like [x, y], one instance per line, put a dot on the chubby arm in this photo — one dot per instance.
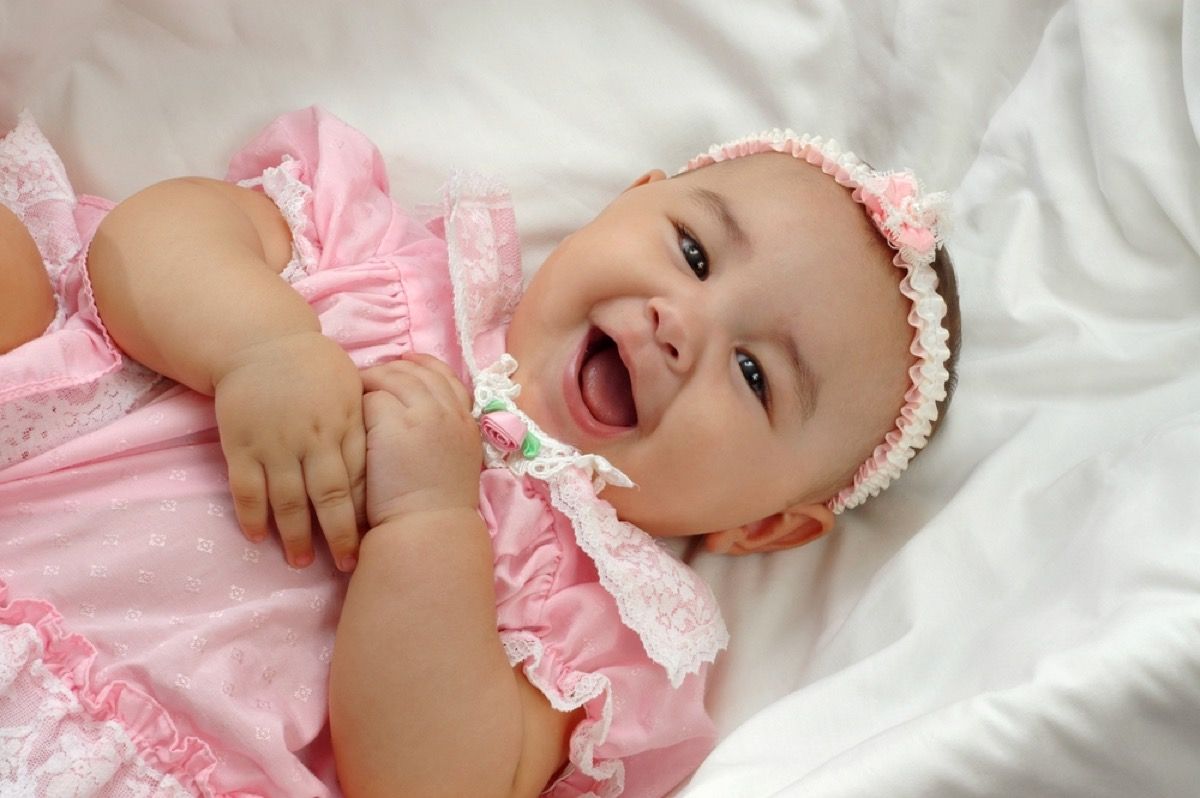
[422, 699]
[185, 275]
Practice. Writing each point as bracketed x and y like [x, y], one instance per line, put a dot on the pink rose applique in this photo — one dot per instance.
[504, 430]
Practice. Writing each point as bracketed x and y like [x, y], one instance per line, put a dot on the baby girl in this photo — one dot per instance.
[738, 353]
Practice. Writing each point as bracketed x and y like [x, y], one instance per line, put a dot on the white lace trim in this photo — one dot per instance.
[34, 174]
[36, 188]
[292, 196]
[35, 424]
[582, 688]
[49, 745]
[668, 606]
[486, 288]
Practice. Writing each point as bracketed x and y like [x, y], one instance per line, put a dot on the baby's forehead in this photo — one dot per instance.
[793, 198]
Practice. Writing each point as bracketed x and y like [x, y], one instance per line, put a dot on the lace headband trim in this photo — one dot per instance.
[913, 223]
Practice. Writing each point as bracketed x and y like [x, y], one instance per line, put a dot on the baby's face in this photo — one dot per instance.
[733, 339]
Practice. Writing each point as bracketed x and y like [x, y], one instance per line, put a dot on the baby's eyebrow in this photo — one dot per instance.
[804, 379]
[716, 205]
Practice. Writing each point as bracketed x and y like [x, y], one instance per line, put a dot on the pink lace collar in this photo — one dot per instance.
[670, 608]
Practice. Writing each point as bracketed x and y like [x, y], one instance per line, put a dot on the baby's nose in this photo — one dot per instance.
[676, 331]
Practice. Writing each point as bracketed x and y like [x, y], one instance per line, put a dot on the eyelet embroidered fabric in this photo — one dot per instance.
[35, 187]
[668, 605]
[913, 223]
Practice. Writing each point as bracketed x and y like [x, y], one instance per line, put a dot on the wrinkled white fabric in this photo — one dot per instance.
[1036, 635]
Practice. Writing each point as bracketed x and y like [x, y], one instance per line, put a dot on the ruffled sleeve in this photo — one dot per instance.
[352, 214]
[640, 736]
[375, 275]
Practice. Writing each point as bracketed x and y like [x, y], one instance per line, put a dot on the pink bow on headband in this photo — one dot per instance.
[891, 203]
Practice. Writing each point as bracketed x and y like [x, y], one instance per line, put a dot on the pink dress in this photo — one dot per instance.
[147, 649]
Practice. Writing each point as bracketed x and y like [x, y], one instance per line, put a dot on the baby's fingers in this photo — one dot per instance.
[248, 485]
[329, 489]
[289, 502]
[449, 387]
[397, 378]
[354, 455]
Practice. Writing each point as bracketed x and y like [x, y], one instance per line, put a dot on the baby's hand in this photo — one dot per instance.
[423, 446]
[289, 411]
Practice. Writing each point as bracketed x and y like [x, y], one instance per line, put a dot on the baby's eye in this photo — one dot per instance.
[754, 376]
[693, 253]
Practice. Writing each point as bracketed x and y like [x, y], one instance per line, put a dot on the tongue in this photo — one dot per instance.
[604, 382]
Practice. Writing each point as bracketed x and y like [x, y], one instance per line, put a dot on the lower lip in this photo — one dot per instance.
[578, 409]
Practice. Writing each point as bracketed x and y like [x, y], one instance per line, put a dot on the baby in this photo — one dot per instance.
[739, 352]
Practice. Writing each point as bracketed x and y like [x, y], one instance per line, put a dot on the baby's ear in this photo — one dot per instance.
[653, 176]
[793, 527]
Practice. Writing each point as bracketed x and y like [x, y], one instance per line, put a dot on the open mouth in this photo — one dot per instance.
[604, 382]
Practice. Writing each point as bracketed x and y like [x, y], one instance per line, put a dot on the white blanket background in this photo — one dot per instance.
[1018, 616]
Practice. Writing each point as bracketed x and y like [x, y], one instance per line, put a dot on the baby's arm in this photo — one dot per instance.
[26, 299]
[422, 699]
[185, 275]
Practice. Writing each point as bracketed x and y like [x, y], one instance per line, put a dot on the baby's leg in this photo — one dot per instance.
[26, 298]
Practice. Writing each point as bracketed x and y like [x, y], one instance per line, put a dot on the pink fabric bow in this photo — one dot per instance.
[504, 430]
[893, 208]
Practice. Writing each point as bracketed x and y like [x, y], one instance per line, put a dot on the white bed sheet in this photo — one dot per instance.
[1020, 615]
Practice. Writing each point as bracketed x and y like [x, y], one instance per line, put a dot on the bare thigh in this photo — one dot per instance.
[26, 299]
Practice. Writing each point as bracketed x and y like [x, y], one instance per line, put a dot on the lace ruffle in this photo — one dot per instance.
[672, 610]
[670, 607]
[292, 196]
[663, 601]
[63, 734]
[72, 379]
[484, 256]
[36, 188]
[568, 692]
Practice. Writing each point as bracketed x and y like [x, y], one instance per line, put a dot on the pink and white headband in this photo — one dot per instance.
[912, 223]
